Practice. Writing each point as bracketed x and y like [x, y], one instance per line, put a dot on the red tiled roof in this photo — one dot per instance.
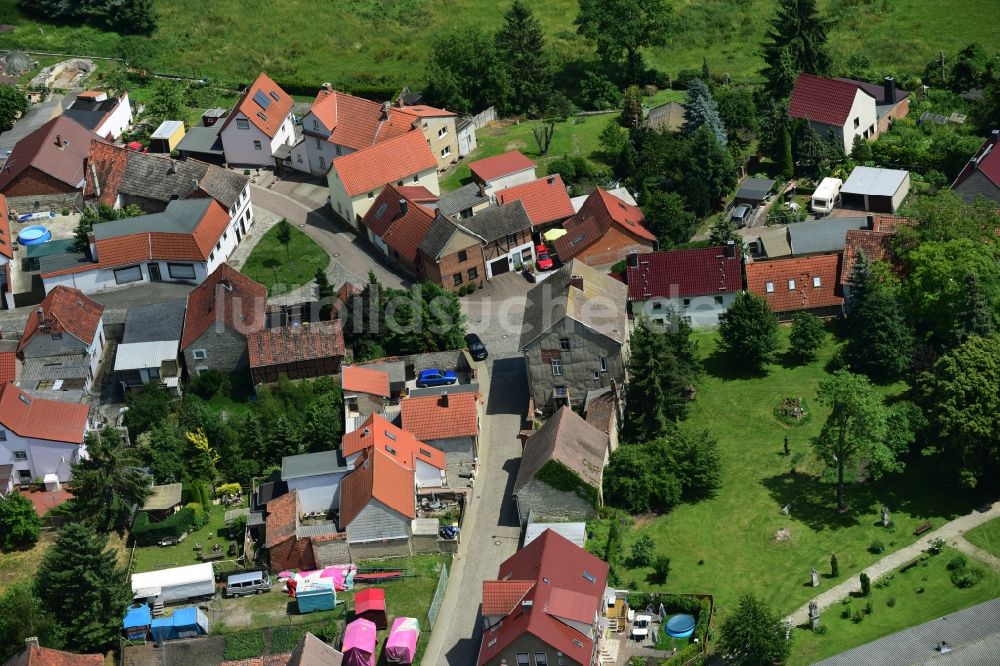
[376, 476]
[6, 242]
[681, 273]
[108, 163]
[8, 367]
[545, 199]
[821, 100]
[385, 162]
[242, 307]
[491, 168]
[269, 119]
[599, 212]
[424, 111]
[395, 442]
[65, 310]
[439, 417]
[356, 122]
[39, 150]
[282, 516]
[364, 380]
[986, 161]
[804, 271]
[569, 583]
[500, 597]
[292, 344]
[33, 655]
[401, 232]
[53, 420]
[873, 244]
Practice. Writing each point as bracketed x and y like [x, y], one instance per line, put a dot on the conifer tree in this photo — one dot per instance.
[795, 42]
[700, 110]
[520, 45]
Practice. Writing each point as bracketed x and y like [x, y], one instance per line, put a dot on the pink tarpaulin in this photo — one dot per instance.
[402, 642]
[359, 643]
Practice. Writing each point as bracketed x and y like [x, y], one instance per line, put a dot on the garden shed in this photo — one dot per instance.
[186, 622]
[369, 604]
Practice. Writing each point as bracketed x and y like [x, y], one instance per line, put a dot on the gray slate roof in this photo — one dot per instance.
[973, 634]
[89, 112]
[202, 140]
[155, 322]
[873, 181]
[754, 188]
[155, 177]
[66, 366]
[311, 464]
[826, 235]
[498, 221]
[570, 440]
[181, 217]
[437, 237]
[461, 199]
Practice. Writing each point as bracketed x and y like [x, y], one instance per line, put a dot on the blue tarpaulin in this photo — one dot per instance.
[137, 621]
[183, 623]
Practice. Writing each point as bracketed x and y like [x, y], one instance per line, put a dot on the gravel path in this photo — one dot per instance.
[950, 532]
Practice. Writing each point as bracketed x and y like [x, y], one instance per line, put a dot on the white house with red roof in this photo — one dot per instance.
[833, 107]
[695, 285]
[546, 200]
[105, 116]
[258, 125]
[427, 463]
[39, 439]
[547, 603]
[398, 221]
[981, 175]
[356, 179]
[502, 171]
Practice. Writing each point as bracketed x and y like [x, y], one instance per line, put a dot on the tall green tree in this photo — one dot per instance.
[975, 314]
[807, 335]
[707, 172]
[722, 231]
[753, 635]
[21, 617]
[520, 45]
[146, 408]
[738, 112]
[668, 218]
[640, 478]
[858, 282]
[283, 231]
[323, 423]
[108, 483]
[19, 523]
[881, 339]
[749, 330]
[622, 28]
[467, 75]
[853, 436]
[795, 42]
[13, 104]
[700, 110]
[162, 450]
[961, 398]
[696, 462]
[81, 585]
[631, 115]
[135, 17]
[166, 103]
[786, 165]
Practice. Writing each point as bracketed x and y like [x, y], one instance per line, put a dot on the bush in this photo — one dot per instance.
[876, 547]
[19, 522]
[285, 639]
[869, 607]
[846, 613]
[890, 602]
[642, 551]
[866, 584]
[227, 489]
[935, 546]
[957, 562]
[821, 629]
[207, 384]
[200, 515]
[661, 568]
[964, 575]
[245, 645]
[857, 618]
[684, 78]
[146, 533]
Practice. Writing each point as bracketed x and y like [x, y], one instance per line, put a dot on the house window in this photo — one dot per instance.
[463, 255]
[3, 435]
[657, 306]
[791, 285]
[181, 271]
[564, 344]
[315, 125]
[199, 354]
[322, 162]
[769, 287]
[511, 238]
[541, 659]
[415, 179]
[154, 373]
[242, 123]
[399, 183]
[128, 274]
[319, 144]
[473, 273]
[597, 375]
[225, 235]
[522, 659]
[556, 367]
[218, 245]
[686, 302]
[816, 281]
[604, 364]
[256, 145]
[201, 369]
[340, 150]
[211, 255]
[24, 475]
[718, 300]
[442, 132]
[526, 254]
[857, 123]
[446, 151]
[57, 336]
[20, 455]
[457, 278]
[371, 195]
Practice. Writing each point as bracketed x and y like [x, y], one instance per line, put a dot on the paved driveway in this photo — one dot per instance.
[37, 115]
[491, 533]
[496, 311]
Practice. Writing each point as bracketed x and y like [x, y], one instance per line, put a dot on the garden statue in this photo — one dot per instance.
[787, 510]
[886, 518]
[815, 577]
[813, 615]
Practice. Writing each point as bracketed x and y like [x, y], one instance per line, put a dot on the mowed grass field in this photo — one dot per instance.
[384, 43]
[734, 544]
[986, 536]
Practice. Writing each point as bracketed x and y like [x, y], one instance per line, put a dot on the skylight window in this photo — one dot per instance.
[25, 399]
[390, 435]
[791, 285]
[769, 287]
[274, 96]
[390, 449]
[424, 452]
[816, 281]
[262, 116]
[263, 101]
[591, 578]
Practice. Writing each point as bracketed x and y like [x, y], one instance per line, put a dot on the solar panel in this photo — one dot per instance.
[262, 100]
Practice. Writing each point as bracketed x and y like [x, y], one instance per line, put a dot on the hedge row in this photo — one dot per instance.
[146, 533]
[244, 645]
[672, 603]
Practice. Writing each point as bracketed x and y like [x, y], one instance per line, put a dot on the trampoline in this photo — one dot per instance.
[680, 626]
[34, 235]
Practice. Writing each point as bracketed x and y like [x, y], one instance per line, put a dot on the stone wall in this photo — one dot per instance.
[46, 202]
[426, 543]
[376, 549]
[548, 505]
[226, 351]
[578, 364]
[331, 549]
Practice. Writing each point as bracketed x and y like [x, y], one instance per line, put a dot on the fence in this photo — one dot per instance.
[435, 607]
[483, 117]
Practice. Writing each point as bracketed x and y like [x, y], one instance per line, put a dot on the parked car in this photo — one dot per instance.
[476, 347]
[741, 215]
[544, 262]
[435, 377]
[254, 582]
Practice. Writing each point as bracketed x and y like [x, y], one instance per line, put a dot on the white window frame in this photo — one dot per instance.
[791, 284]
[257, 145]
[242, 123]
[128, 268]
[446, 151]
[556, 365]
[817, 282]
[21, 456]
[180, 267]
[443, 132]
[199, 354]
[769, 287]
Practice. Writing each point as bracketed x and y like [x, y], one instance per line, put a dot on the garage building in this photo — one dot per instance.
[875, 190]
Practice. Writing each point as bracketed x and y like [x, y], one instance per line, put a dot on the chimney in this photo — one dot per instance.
[385, 110]
[550, 180]
[172, 169]
[40, 315]
[59, 140]
[31, 641]
[730, 250]
[444, 399]
[403, 207]
[327, 86]
[399, 102]
[632, 259]
[994, 137]
[889, 87]
[576, 281]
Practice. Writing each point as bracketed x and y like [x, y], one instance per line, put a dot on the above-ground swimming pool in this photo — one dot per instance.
[680, 626]
[34, 235]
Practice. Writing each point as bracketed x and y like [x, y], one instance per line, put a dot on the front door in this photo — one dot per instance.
[154, 272]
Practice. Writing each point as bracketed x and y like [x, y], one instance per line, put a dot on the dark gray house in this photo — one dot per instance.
[565, 444]
[149, 350]
[981, 175]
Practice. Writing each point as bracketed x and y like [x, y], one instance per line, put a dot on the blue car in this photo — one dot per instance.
[435, 377]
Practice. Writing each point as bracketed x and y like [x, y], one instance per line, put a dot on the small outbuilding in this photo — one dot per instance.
[753, 191]
[137, 622]
[875, 190]
[369, 604]
[167, 136]
[186, 622]
[163, 501]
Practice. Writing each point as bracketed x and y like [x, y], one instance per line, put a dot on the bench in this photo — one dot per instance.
[909, 565]
[922, 527]
[211, 557]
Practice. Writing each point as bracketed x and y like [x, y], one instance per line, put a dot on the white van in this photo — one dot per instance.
[824, 199]
[254, 582]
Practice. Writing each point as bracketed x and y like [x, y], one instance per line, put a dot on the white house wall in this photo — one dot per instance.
[118, 121]
[510, 180]
[353, 209]
[99, 279]
[317, 493]
[44, 456]
[514, 257]
[428, 476]
[239, 147]
[704, 311]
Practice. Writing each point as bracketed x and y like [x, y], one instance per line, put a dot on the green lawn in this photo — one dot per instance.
[280, 269]
[152, 558]
[939, 597]
[383, 45]
[986, 536]
[576, 136]
[17, 565]
[728, 545]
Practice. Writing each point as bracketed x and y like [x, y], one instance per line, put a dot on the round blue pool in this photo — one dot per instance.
[34, 235]
[680, 626]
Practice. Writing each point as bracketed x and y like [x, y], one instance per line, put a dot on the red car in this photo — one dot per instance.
[544, 261]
